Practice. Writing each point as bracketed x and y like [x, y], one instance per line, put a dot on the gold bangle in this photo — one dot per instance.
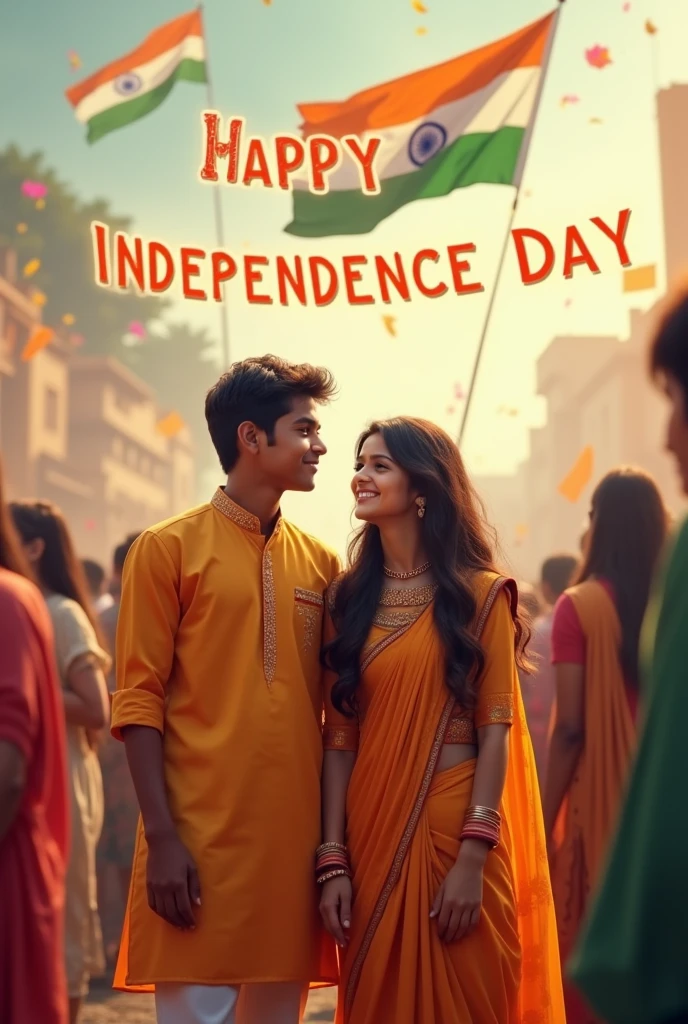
[332, 874]
[484, 812]
[330, 846]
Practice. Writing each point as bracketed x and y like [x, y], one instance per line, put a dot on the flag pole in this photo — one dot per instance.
[520, 167]
[219, 226]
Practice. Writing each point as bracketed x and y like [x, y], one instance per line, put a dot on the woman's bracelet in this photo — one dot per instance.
[331, 860]
[339, 873]
[482, 823]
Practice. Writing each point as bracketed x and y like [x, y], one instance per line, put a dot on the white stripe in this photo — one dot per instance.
[152, 74]
[507, 101]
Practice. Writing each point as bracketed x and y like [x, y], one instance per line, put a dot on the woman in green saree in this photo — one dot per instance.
[632, 961]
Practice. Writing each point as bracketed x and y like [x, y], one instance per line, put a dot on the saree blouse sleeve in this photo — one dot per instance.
[496, 691]
[339, 731]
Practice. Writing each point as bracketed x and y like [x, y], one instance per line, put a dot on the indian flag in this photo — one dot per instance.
[455, 124]
[133, 86]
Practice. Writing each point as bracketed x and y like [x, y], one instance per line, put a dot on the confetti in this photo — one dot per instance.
[390, 325]
[569, 99]
[31, 267]
[171, 425]
[22, 228]
[74, 60]
[77, 340]
[40, 204]
[640, 279]
[90, 525]
[598, 56]
[267, 2]
[68, 319]
[506, 410]
[39, 298]
[421, 31]
[596, 120]
[626, 7]
[137, 329]
[527, 193]
[451, 409]
[41, 337]
[34, 189]
[567, 303]
[650, 27]
[419, 6]
[458, 392]
[575, 481]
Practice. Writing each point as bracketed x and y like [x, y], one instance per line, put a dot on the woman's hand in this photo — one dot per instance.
[459, 901]
[335, 907]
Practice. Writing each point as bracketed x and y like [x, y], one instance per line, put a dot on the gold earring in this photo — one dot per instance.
[420, 502]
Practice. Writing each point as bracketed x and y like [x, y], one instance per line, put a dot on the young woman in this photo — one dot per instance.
[432, 884]
[34, 822]
[595, 637]
[81, 662]
[632, 962]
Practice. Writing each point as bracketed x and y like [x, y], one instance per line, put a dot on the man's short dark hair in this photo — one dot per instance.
[260, 390]
[94, 573]
[557, 571]
[669, 348]
[121, 552]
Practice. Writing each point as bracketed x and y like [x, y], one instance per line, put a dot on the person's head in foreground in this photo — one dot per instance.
[555, 576]
[95, 577]
[263, 421]
[48, 546]
[628, 527]
[412, 490]
[669, 367]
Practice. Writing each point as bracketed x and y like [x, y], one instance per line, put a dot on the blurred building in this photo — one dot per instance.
[597, 393]
[82, 432]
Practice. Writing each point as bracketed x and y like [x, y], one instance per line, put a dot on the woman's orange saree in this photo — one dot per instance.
[403, 827]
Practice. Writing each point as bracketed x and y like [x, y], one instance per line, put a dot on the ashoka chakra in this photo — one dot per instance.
[427, 140]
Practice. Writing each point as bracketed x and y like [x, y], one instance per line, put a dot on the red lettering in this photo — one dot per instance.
[156, 281]
[365, 158]
[384, 271]
[256, 168]
[297, 283]
[252, 277]
[224, 269]
[419, 258]
[127, 261]
[352, 277]
[101, 237]
[321, 164]
[323, 298]
[460, 267]
[527, 275]
[287, 165]
[214, 149]
[574, 238]
[617, 236]
[190, 270]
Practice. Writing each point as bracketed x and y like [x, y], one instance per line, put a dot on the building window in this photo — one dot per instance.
[51, 409]
[117, 447]
[131, 457]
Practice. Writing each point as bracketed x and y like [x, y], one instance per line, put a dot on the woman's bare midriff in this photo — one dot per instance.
[453, 754]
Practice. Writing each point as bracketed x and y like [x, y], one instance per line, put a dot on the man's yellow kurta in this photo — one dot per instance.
[218, 647]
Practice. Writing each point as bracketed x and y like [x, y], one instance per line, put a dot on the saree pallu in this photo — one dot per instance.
[403, 827]
[590, 811]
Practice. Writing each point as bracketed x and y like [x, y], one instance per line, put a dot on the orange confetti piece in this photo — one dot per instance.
[390, 325]
[421, 31]
[576, 480]
[68, 319]
[22, 228]
[41, 337]
[31, 267]
[522, 530]
[267, 2]
[40, 204]
[596, 120]
[650, 27]
[640, 279]
[171, 425]
[39, 298]
[419, 6]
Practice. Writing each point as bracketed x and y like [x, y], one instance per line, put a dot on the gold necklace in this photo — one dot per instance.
[406, 575]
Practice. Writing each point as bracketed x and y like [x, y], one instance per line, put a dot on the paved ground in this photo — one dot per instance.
[108, 1007]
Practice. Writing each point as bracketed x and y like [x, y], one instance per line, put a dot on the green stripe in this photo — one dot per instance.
[138, 106]
[483, 157]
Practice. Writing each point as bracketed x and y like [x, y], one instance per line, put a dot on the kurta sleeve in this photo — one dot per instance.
[496, 691]
[339, 732]
[74, 637]
[18, 698]
[146, 629]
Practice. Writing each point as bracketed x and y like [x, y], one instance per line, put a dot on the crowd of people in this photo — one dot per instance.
[456, 798]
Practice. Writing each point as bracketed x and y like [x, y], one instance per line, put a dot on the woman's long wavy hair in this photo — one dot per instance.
[455, 537]
[628, 528]
[11, 555]
[59, 570]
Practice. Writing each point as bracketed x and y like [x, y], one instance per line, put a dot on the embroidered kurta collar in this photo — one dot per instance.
[246, 520]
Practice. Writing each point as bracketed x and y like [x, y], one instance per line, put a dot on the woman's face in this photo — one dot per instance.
[381, 487]
[677, 428]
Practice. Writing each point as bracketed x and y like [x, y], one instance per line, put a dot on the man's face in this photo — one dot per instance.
[291, 462]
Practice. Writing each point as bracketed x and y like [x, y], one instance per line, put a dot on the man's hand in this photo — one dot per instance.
[172, 881]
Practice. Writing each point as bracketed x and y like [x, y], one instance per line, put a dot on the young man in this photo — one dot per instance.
[219, 704]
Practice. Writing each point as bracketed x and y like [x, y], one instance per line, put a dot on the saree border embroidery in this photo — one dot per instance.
[405, 842]
[382, 645]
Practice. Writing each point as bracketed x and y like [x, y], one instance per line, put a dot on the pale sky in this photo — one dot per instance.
[266, 59]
